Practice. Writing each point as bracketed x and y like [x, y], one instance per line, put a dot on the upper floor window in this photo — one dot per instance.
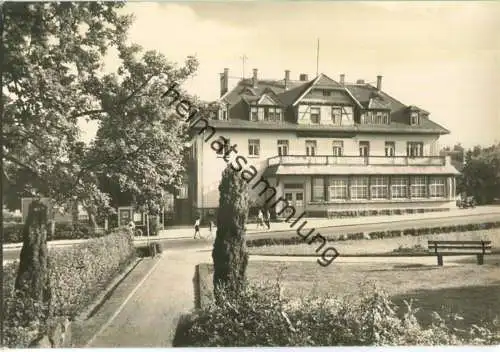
[310, 148]
[336, 115]
[414, 118]
[254, 114]
[282, 147]
[390, 148]
[315, 115]
[338, 146]
[183, 191]
[227, 145]
[415, 149]
[364, 148]
[326, 93]
[253, 147]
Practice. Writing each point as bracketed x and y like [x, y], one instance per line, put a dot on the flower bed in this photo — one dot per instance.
[378, 234]
[76, 275]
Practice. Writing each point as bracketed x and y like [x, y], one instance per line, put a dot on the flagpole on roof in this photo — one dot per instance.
[317, 59]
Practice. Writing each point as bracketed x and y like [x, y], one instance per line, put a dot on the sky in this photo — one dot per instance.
[441, 56]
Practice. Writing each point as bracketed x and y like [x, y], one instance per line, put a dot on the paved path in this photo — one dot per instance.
[149, 318]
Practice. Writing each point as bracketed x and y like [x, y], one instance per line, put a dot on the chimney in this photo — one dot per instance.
[287, 78]
[303, 77]
[342, 79]
[360, 81]
[224, 79]
[379, 83]
[254, 78]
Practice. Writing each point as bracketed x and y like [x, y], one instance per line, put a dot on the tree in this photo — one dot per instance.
[53, 73]
[481, 174]
[230, 254]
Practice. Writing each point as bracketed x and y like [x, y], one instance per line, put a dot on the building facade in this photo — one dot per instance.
[326, 147]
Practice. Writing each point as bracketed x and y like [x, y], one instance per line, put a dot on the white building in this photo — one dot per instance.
[327, 147]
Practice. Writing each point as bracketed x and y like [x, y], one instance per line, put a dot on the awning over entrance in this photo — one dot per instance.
[359, 170]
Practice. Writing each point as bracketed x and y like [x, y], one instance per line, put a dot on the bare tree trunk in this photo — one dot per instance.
[32, 277]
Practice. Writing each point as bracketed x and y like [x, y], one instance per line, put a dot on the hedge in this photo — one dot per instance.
[261, 316]
[12, 232]
[77, 275]
[378, 234]
[359, 213]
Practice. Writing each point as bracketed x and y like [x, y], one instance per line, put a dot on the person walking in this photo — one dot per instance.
[260, 219]
[267, 219]
[197, 228]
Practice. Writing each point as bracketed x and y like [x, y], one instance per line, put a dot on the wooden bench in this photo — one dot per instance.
[441, 248]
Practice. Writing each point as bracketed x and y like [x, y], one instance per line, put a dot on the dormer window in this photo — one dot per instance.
[272, 113]
[326, 93]
[375, 118]
[254, 114]
[414, 118]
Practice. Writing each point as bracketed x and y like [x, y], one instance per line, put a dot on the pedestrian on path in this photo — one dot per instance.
[131, 227]
[267, 219]
[197, 228]
[260, 220]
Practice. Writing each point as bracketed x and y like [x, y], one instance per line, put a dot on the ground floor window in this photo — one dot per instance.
[437, 187]
[337, 188]
[418, 186]
[399, 187]
[318, 189]
[359, 187]
[379, 187]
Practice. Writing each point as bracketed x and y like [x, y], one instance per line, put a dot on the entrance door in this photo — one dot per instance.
[296, 200]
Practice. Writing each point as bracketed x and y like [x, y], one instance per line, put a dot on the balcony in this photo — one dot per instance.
[358, 160]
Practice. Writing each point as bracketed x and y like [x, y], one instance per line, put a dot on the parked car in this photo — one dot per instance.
[466, 202]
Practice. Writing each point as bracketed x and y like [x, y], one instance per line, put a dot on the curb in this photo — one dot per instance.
[107, 292]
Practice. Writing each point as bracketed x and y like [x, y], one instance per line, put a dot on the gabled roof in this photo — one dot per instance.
[266, 99]
[321, 81]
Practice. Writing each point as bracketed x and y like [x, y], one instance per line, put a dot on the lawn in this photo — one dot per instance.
[378, 246]
[467, 289]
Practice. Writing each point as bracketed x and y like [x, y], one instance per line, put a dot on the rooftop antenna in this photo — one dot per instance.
[317, 59]
[243, 60]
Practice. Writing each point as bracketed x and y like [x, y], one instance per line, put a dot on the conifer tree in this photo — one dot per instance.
[230, 254]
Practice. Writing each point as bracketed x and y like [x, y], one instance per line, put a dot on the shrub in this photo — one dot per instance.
[76, 275]
[12, 233]
[260, 316]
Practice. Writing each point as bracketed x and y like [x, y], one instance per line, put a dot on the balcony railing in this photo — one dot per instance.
[357, 160]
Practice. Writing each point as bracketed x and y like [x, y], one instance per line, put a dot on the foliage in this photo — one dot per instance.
[260, 316]
[12, 233]
[230, 254]
[481, 174]
[54, 75]
[76, 276]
